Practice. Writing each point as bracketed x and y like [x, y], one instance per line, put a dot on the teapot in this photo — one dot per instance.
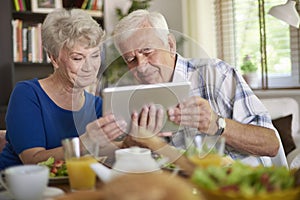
[128, 160]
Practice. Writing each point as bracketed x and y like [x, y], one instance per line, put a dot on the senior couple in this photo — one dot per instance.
[42, 112]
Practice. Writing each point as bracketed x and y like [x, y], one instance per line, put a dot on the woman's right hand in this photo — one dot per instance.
[105, 129]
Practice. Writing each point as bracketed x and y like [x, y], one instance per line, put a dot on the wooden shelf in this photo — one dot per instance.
[95, 13]
[31, 64]
[29, 16]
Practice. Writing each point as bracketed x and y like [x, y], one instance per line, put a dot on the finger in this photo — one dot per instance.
[159, 120]
[192, 101]
[134, 124]
[102, 121]
[152, 118]
[164, 134]
[115, 134]
[144, 116]
[115, 129]
[174, 114]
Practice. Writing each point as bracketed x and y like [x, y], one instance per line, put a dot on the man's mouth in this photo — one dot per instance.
[149, 77]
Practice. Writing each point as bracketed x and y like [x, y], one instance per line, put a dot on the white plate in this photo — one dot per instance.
[52, 192]
[5, 195]
[48, 194]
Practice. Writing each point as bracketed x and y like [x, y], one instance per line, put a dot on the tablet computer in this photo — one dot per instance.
[122, 101]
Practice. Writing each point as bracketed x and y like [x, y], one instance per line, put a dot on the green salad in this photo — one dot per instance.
[244, 179]
[57, 168]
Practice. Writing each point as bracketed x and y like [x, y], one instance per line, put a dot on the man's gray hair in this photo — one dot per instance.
[132, 22]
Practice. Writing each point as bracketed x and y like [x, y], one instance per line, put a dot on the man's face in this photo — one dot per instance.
[148, 58]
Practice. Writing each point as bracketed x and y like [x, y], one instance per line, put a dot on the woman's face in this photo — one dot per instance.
[79, 65]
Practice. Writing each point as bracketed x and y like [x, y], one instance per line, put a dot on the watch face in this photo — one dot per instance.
[221, 122]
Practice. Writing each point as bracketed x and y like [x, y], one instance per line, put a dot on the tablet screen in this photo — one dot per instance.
[122, 101]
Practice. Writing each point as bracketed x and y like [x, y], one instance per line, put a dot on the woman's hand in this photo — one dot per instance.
[195, 112]
[105, 129]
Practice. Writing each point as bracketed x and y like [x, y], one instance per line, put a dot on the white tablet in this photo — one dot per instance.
[122, 101]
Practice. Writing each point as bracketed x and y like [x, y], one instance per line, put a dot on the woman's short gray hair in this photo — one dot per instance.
[132, 22]
[63, 28]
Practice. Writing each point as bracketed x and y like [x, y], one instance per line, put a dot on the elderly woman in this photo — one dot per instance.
[43, 112]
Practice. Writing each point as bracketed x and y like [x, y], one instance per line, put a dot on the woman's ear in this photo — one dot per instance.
[53, 61]
[172, 43]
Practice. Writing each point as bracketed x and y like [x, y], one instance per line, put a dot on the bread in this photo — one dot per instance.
[149, 186]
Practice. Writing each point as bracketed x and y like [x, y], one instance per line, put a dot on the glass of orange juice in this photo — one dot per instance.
[81, 176]
[204, 150]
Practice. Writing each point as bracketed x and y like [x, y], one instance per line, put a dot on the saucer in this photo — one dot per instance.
[52, 192]
[49, 193]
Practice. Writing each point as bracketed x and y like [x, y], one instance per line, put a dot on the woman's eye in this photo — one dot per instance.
[77, 58]
[95, 56]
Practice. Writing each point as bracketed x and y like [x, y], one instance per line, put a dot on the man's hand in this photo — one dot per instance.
[141, 136]
[195, 112]
[151, 118]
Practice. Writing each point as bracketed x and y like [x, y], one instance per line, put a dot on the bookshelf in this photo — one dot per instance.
[11, 70]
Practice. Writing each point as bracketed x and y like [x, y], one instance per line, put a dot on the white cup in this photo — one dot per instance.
[26, 182]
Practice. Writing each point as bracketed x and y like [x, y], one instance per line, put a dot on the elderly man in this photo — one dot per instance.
[220, 101]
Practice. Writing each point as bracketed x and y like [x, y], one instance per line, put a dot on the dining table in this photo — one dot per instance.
[68, 194]
[138, 186]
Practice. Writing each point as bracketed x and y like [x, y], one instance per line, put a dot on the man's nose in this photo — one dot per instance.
[141, 61]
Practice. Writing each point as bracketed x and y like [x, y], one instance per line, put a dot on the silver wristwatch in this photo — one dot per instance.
[221, 123]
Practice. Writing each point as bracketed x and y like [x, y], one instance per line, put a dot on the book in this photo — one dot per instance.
[84, 4]
[33, 43]
[39, 43]
[24, 5]
[16, 4]
[24, 45]
[29, 44]
[14, 37]
[19, 41]
[21, 5]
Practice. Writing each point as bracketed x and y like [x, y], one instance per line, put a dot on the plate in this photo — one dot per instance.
[58, 180]
[48, 194]
[52, 192]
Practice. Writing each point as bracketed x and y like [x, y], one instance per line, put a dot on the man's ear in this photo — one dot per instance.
[172, 43]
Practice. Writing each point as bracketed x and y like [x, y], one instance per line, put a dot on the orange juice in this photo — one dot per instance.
[81, 176]
[207, 160]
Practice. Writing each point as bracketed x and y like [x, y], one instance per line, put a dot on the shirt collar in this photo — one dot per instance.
[180, 72]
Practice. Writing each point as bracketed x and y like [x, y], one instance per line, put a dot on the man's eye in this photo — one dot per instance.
[130, 59]
[147, 50]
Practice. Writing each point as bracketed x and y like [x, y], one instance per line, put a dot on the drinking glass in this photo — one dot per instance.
[204, 150]
[81, 176]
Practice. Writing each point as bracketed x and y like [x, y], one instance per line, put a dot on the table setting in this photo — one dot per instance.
[139, 173]
[27, 182]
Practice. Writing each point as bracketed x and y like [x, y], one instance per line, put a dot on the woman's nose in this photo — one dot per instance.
[87, 65]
